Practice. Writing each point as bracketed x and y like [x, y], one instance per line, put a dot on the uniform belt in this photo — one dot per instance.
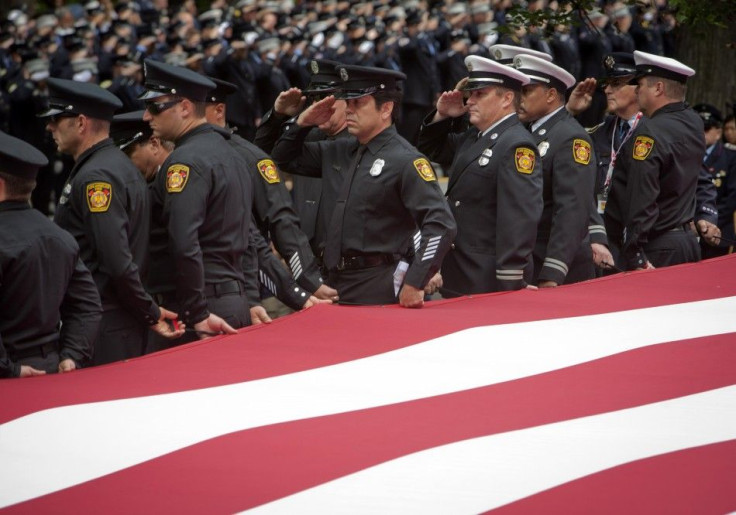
[38, 350]
[684, 227]
[366, 261]
[220, 289]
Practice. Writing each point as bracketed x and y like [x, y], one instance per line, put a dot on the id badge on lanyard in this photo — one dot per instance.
[602, 197]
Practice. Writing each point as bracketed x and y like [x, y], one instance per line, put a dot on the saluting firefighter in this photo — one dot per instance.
[495, 186]
[388, 191]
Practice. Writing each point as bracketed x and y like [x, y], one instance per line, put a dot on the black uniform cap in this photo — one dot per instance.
[359, 81]
[68, 96]
[325, 77]
[19, 158]
[711, 116]
[129, 128]
[617, 64]
[222, 90]
[166, 79]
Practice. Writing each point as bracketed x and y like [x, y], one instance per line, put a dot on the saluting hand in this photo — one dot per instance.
[289, 102]
[318, 113]
[582, 96]
[450, 105]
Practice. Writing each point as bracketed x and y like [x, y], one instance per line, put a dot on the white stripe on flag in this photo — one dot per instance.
[123, 433]
[488, 472]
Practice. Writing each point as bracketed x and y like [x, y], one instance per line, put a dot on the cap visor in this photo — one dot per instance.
[350, 94]
[51, 111]
[148, 94]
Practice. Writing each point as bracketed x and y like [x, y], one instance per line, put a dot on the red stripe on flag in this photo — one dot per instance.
[248, 468]
[699, 480]
[332, 334]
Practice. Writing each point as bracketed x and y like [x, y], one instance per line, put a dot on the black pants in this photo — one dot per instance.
[231, 307]
[47, 361]
[120, 337]
[673, 248]
[367, 286]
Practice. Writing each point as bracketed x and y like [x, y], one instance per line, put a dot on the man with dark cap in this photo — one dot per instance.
[562, 254]
[608, 139]
[315, 193]
[719, 166]
[272, 207]
[652, 200]
[43, 281]
[201, 200]
[105, 206]
[148, 152]
[388, 191]
[495, 187]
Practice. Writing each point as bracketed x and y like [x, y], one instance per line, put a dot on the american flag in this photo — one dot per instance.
[616, 395]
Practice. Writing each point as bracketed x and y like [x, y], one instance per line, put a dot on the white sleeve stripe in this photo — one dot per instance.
[556, 263]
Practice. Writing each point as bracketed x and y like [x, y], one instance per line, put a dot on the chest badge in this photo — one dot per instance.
[377, 167]
[543, 148]
[485, 157]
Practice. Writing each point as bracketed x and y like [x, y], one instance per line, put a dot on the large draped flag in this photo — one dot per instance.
[616, 395]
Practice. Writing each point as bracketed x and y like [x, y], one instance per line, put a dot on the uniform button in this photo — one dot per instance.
[304, 294]
[452, 246]
[296, 288]
[457, 203]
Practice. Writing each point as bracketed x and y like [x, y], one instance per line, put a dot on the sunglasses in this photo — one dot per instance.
[159, 107]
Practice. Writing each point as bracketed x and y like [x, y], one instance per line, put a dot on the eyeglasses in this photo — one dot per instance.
[616, 83]
[159, 107]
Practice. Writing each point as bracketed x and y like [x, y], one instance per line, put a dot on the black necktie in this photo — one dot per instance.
[333, 245]
[622, 132]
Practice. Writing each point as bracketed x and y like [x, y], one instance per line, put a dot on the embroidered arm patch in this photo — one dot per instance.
[642, 147]
[176, 178]
[99, 195]
[424, 169]
[524, 158]
[581, 151]
[268, 171]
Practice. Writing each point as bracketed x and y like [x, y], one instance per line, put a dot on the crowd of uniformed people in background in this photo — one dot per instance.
[431, 149]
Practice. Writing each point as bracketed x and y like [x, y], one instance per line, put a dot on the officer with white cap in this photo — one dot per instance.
[652, 200]
[505, 54]
[562, 252]
[495, 187]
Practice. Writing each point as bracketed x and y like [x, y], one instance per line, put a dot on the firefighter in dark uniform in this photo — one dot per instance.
[315, 190]
[562, 253]
[652, 200]
[389, 190]
[272, 208]
[105, 206]
[719, 165]
[201, 200]
[495, 186]
[42, 279]
[148, 152]
[608, 140]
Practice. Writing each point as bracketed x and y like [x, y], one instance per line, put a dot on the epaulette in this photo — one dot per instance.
[591, 130]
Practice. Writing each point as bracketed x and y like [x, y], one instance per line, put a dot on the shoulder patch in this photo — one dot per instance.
[176, 178]
[642, 147]
[268, 171]
[581, 151]
[524, 158]
[99, 195]
[424, 169]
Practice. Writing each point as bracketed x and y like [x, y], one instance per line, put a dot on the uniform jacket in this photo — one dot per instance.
[202, 196]
[569, 172]
[393, 191]
[105, 206]
[275, 214]
[654, 180]
[42, 282]
[720, 166]
[495, 194]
